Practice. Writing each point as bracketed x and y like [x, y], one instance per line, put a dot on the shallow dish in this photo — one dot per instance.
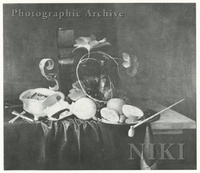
[104, 121]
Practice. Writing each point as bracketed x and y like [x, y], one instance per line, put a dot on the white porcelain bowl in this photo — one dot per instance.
[37, 106]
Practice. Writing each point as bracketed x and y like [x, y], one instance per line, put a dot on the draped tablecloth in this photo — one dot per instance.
[71, 144]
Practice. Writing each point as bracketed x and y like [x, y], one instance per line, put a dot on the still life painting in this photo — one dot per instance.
[99, 86]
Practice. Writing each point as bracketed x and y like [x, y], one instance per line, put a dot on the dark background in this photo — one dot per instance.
[162, 36]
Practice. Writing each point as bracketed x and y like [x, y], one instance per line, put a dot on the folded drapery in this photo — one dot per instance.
[71, 144]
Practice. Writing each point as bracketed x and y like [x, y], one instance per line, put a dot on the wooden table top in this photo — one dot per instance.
[170, 122]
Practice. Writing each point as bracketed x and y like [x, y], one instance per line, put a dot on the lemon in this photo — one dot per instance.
[116, 104]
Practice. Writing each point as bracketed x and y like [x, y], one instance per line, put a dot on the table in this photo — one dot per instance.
[70, 144]
[73, 144]
[170, 122]
[174, 128]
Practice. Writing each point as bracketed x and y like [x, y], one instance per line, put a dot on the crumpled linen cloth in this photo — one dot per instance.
[70, 144]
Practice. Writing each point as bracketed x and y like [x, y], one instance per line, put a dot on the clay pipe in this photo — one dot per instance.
[131, 131]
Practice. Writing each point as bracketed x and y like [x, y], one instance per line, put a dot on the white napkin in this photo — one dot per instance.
[58, 106]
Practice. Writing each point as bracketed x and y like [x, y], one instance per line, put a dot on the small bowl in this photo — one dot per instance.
[37, 106]
[132, 112]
